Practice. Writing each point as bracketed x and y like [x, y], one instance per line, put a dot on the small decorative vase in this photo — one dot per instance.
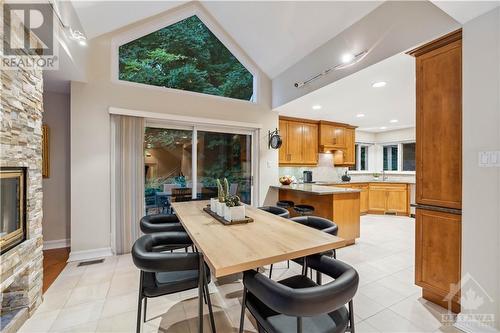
[213, 204]
[220, 208]
[234, 213]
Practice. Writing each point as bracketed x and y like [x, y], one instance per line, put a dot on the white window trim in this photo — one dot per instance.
[172, 17]
[358, 160]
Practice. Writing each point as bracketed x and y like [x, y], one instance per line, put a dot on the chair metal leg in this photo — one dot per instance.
[243, 308]
[145, 307]
[210, 310]
[288, 264]
[271, 271]
[299, 324]
[200, 292]
[334, 254]
[139, 305]
[318, 277]
[351, 317]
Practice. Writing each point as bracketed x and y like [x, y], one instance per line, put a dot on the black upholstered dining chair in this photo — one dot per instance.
[151, 224]
[298, 304]
[281, 212]
[160, 223]
[319, 223]
[164, 273]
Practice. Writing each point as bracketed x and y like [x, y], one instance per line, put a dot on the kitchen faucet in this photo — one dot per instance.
[384, 177]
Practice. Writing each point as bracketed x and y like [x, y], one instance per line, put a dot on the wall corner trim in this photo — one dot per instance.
[56, 244]
[90, 254]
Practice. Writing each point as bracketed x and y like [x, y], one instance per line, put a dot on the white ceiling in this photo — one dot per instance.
[463, 11]
[342, 100]
[275, 34]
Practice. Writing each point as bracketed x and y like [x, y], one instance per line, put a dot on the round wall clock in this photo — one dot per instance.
[275, 141]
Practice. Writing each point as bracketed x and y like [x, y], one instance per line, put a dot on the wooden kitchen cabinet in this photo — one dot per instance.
[283, 128]
[300, 142]
[338, 139]
[349, 150]
[439, 168]
[438, 255]
[389, 198]
[377, 199]
[439, 126]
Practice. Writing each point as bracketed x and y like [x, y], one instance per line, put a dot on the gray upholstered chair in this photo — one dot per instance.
[298, 304]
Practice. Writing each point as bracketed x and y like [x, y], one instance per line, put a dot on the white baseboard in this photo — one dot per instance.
[469, 325]
[90, 254]
[56, 244]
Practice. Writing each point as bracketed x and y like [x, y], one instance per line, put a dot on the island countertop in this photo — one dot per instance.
[315, 189]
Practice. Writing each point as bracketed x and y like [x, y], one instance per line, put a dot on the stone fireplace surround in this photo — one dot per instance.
[21, 268]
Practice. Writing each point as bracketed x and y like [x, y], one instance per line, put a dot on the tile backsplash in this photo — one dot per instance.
[323, 171]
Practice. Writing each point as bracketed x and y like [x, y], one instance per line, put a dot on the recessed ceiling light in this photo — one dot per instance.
[379, 84]
[347, 58]
[360, 115]
[393, 121]
[82, 42]
[383, 127]
[316, 107]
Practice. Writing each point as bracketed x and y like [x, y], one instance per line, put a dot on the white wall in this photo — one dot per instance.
[90, 134]
[481, 132]
[56, 188]
[392, 28]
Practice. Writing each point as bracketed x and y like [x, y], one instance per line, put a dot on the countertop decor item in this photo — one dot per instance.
[286, 180]
[275, 141]
[346, 177]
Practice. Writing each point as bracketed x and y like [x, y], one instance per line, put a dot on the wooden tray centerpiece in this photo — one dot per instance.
[222, 220]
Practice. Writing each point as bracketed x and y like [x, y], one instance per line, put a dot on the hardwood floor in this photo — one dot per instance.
[54, 262]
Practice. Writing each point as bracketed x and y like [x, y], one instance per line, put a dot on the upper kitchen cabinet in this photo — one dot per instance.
[338, 139]
[300, 141]
[439, 123]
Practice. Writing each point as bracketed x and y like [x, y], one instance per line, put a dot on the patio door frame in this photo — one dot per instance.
[254, 134]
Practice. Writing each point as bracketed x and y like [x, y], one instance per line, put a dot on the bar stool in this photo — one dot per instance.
[285, 204]
[304, 209]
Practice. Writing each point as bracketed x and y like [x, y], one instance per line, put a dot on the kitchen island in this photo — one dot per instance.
[341, 205]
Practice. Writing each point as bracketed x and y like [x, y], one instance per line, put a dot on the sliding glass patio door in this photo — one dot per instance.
[182, 163]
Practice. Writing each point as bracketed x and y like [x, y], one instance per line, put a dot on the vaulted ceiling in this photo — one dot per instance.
[275, 34]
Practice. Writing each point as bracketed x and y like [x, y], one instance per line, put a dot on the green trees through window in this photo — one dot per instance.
[185, 55]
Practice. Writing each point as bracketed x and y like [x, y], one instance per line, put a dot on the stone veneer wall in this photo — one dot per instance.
[21, 268]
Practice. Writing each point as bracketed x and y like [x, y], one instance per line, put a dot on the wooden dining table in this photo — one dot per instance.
[229, 249]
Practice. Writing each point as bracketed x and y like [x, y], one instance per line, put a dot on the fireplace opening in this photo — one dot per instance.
[12, 207]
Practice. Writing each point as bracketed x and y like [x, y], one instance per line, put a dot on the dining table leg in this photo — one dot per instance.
[201, 282]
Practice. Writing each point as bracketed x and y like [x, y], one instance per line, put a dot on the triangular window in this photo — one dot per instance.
[188, 56]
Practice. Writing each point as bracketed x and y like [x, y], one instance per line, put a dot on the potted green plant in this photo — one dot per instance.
[222, 193]
[234, 209]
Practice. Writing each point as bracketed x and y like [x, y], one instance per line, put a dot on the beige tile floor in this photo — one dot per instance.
[103, 297]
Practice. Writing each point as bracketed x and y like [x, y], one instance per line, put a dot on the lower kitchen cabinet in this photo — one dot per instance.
[437, 255]
[389, 198]
[382, 198]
